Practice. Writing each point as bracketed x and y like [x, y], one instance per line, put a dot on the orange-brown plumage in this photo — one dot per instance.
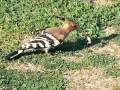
[61, 32]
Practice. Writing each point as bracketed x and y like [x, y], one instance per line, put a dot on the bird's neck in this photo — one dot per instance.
[66, 28]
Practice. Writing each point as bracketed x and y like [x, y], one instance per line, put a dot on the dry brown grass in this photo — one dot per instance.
[4, 88]
[103, 2]
[76, 59]
[24, 66]
[109, 49]
[90, 79]
[110, 30]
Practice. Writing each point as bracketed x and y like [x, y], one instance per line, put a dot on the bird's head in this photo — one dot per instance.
[70, 24]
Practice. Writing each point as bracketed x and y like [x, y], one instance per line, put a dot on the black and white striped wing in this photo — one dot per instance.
[45, 40]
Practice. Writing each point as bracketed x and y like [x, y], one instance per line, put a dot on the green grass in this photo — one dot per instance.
[113, 71]
[117, 39]
[98, 60]
[117, 88]
[22, 17]
[51, 80]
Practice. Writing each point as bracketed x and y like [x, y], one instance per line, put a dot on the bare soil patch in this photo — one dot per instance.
[103, 2]
[110, 30]
[89, 79]
[109, 49]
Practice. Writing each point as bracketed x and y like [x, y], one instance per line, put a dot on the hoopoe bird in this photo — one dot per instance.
[46, 40]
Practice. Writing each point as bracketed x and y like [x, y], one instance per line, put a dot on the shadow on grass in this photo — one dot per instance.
[79, 44]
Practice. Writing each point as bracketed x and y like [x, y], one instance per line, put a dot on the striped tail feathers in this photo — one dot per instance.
[15, 54]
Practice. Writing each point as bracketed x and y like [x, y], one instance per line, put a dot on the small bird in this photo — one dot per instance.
[48, 39]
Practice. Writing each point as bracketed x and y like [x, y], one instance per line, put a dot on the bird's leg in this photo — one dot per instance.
[46, 50]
